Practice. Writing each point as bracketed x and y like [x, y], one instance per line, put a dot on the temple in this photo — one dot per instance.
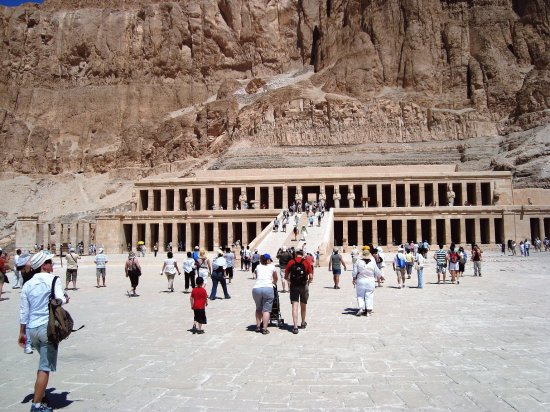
[383, 205]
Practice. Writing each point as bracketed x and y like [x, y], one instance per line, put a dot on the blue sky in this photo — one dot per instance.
[17, 2]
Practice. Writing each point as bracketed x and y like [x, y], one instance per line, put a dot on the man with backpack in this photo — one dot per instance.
[399, 264]
[34, 314]
[299, 274]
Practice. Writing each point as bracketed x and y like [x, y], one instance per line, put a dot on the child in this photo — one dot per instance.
[199, 300]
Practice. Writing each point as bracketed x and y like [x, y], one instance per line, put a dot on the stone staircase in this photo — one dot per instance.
[320, 237]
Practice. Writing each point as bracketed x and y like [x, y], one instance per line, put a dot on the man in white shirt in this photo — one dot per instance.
[33, 314]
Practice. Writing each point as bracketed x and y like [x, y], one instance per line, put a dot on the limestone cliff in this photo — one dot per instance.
[95, 86]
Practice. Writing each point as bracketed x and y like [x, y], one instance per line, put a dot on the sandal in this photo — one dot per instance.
[265, 332]
[295, 331]
[258, 329]
[303, 325]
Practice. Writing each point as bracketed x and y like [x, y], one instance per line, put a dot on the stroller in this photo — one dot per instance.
[275, 315]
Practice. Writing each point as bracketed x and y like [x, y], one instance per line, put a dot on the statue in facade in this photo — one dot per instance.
[242, 199]
[336, 197]
[351, 198]
[134, 201]
[322, 197]
[188, 203]
[450, 195]
[299, 198]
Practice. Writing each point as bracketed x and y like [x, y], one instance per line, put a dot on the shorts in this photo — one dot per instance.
[229, 272]
[47, 351]
[441, 269]
[336, 272]
[200, 316]
[453, 266]
[263, 297]
[71, 275]
[2, 278]
[400, 271]
[299, 294]
[100, 272]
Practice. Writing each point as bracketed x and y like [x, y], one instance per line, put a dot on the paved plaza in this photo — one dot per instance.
[483, 345]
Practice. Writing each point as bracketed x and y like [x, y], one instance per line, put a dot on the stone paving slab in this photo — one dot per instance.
[483, 345]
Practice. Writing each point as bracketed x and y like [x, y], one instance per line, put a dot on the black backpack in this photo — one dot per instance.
[60, 322]
[298, 275]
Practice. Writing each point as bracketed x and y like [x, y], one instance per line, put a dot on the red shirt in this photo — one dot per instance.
[307, 265]
[199, 298]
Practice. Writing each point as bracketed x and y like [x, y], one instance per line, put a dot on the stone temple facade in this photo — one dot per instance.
[383, 205]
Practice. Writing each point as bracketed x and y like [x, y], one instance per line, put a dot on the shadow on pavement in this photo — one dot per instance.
[52, 399]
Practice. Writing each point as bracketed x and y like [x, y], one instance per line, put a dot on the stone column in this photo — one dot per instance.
[230, 205]
[433, 230]
[422, 194]
[365, 193]
[393, 196]
[217, 197]
[404, 237]
[345, 235]
[80, 232]
[271, 197]
[134, 236]
[378, 194]
[492, 230]
[216, 234]
[202, 231]
[436, 193]
[389, 240]
[478, 194]
[258, 228]
[407, 194]
[509, 226]
[150, 200]
[147, 236]
[257, 196]
[174, 236]
[359, 232]
[462, 229]
[374, 233]
[285, 197]
[419, 230]
[163, 199]
[189, 246]
[448, 238]
[464, 191]
[177, 199]
[203, 206]
[162, 241]
[477, 230]
[230, 239]
[244, 240]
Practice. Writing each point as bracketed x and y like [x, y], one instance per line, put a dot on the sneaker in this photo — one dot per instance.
[399, 287]
[41, 408]
[360, 312]
[28, 351]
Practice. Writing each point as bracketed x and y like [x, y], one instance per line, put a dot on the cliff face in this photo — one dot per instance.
[86, 87]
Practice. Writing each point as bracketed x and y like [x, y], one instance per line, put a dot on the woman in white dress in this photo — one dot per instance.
[205, 266]
[170, 268]
[364, 274]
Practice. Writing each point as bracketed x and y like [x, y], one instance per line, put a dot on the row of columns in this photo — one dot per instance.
[343, 202]
[72, 233]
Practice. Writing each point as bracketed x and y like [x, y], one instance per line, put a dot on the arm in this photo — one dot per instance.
[58, 292]
[191, 300]
[275, 277]
[343, 263]
[177, 268]
[23, 318]
[162, 270]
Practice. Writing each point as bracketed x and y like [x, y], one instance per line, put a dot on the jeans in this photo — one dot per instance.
[477, 268]
[420, 273]
[18, 279]
[215, 281]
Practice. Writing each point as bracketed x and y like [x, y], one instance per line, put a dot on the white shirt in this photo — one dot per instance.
[264, 276]
[170, 266]
[34, 299]
[188, 265]
[219, 262]
[230, 259]
[419, 260]
[362, 270]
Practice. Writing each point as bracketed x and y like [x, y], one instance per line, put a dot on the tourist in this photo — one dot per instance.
[156, 249]
[419, 266]
[303, 233]
[285, 223]
[299, 274]
[18, 281]
[521, 248]
[284, 257]
[502, 249]
[33, 315]
[318, 258]
[230, 259]
[454, 259]
[425, 248]
[440, 257]
[476, 258]
[255, 262]
[409, 261]
[514, 252]
[205, 267]
[335, 264]
[364, 272]
[219, 264]
[263, 293]
[527, 246]
[189, 266]
[3, 275]
[462, 262]
[276, 224]
[378, 255]
[169, 268]
[72, 268]
[132, 268]
[199, 302]
[295, 232]
[100, 261]
[247, 257]
[399, 264]
[354, 255]
[27, 272]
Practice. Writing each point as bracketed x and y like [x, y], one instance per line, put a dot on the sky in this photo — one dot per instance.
[17, 2]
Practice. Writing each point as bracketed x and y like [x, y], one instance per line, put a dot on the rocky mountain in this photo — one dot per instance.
[134, 87]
